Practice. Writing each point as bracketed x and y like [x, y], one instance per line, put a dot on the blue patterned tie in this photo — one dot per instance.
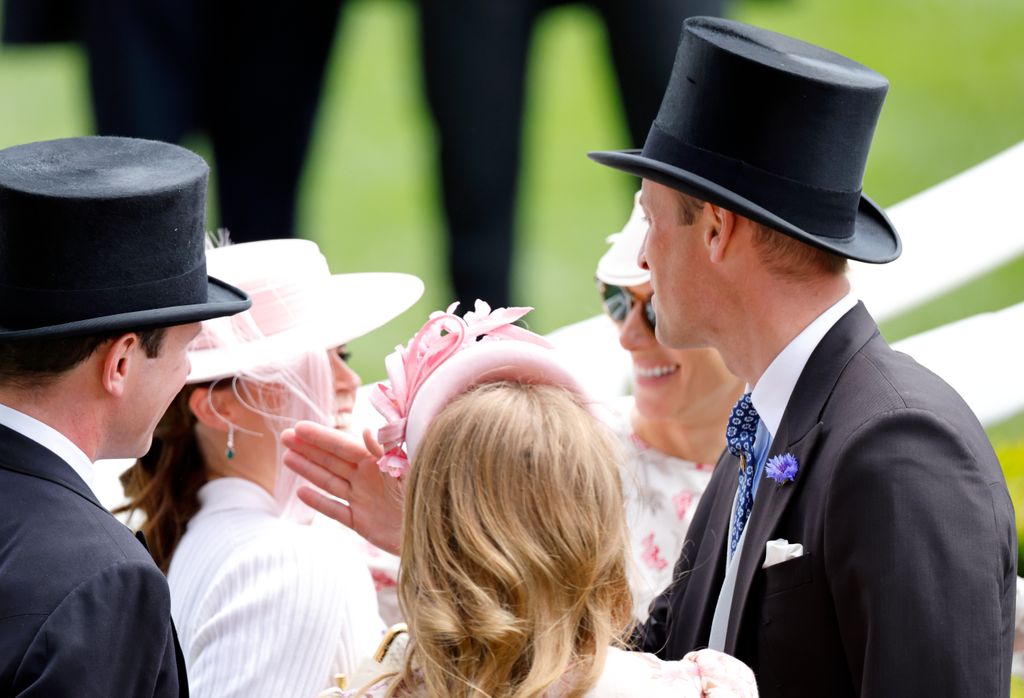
[740, 435]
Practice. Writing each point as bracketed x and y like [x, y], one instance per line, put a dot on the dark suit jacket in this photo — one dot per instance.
[84, 611]
[907, 582]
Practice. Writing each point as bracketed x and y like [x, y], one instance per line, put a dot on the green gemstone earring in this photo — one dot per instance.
[231, 441]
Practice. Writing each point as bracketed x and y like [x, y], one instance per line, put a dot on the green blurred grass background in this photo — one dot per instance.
[369, 195]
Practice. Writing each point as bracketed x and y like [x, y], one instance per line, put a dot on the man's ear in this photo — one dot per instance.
[720, 226]
[210, 410]
[119, 358]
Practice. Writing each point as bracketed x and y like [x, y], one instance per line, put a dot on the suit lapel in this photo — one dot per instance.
[772, 500]
[700, 568]
[21, 454]
[800, 432]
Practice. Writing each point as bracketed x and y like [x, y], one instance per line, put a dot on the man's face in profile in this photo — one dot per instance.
[152, 385]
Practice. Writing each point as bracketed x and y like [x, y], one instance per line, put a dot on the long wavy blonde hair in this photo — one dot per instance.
[514, 547]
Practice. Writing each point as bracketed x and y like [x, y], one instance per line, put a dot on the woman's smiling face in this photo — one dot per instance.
[667, 383]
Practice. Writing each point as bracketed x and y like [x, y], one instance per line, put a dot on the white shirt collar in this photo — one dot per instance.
[50, 439]
[231, 493]
[773, 390]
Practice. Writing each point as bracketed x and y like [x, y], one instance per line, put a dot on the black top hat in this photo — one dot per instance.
[104, 234]
[774, 129]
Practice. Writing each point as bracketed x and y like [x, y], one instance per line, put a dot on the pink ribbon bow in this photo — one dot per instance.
[441, 337]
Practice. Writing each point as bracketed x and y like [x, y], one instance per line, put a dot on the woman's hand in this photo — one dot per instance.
[340, 465]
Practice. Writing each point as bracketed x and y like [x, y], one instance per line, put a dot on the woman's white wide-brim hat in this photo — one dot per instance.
[618, 266]
[297, 306]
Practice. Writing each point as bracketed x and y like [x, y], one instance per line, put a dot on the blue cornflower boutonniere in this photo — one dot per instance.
[781, 468]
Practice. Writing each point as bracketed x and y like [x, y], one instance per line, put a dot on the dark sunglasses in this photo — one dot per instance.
[618, 302]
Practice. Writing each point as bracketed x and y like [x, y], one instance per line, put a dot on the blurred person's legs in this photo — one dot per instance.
[267, 73]
[248, 77]
[643, 36]
[474, 58]
[145, 66]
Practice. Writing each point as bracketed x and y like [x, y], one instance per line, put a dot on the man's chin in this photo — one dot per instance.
[680, 340]
[667, 336]
[133, 452]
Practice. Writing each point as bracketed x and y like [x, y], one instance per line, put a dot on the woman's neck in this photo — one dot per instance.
[697, 436]
[250, 458]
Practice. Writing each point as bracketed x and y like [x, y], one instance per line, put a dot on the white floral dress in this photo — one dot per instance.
[661, 493]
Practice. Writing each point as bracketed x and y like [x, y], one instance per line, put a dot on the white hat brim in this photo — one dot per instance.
[355, 304]
[618, 265]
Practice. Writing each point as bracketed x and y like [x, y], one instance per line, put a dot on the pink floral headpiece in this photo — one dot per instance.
[441, 338]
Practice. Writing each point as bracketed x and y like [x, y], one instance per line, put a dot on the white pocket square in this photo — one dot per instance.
[780, 550]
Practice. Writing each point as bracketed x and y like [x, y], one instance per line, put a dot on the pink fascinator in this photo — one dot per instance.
[448, 356]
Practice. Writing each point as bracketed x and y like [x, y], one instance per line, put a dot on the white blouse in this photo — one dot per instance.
[265, 606]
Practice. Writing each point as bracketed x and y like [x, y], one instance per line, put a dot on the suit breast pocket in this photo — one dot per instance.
[788, 575]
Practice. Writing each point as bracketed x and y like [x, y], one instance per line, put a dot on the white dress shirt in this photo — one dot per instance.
[50, 439]
[775, 386]
[770, 398]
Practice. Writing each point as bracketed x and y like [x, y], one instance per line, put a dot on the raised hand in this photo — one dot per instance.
[346, 468]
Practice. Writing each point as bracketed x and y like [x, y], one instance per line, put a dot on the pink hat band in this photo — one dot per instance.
[484, 362]
[279, 306]
[283, 304]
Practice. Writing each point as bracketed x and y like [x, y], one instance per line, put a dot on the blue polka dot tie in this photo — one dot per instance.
[740, 435]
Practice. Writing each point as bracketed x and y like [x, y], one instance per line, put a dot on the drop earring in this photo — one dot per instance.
[231, 441]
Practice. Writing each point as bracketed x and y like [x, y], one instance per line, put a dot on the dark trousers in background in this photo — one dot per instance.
[474, 62]
[247, 75]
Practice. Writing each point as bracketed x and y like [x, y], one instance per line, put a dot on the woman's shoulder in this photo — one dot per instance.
[698, 674]
[276, 557]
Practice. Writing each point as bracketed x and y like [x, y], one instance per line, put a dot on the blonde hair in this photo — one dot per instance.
[514, 547]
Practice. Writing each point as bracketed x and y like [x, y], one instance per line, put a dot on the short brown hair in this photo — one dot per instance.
[787, 256]
[782, 254]
[34, 362]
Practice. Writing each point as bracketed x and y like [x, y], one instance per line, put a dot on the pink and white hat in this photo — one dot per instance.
[618, 265]
[297, 305]
[299, 310]
[448, 356]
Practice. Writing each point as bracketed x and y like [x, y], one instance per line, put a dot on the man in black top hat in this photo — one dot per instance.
[857, 537]
[102, 286]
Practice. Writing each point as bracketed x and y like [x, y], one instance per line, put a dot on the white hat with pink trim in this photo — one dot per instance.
[297, 306]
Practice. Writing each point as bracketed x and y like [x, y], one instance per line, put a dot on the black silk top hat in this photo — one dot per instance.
[774, 129]
[103, 234]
